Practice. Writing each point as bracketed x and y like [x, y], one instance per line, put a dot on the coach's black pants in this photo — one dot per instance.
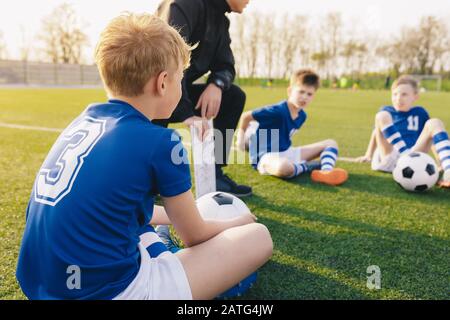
[231, 107]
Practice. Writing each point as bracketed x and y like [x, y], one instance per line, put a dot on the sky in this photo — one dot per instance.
[21, 19]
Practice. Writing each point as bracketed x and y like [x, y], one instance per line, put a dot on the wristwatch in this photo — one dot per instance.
[219, 83]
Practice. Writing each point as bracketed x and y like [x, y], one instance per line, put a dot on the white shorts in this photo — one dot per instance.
[160, 278]
[385, 164]
[293, 154]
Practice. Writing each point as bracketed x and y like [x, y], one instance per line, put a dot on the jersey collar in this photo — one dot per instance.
[124, 103]
[289, 112]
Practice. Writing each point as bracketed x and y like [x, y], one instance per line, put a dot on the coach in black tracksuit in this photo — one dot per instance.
[203, 22]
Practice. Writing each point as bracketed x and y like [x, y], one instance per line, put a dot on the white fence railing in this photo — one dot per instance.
[41, 73]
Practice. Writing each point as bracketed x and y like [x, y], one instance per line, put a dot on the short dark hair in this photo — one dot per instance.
[306, 77]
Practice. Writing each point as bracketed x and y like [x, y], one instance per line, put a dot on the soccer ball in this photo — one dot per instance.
[221, 206]
[416, 171]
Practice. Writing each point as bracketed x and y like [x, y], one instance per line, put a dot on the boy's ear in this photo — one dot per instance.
[289, 89]
[161, 83]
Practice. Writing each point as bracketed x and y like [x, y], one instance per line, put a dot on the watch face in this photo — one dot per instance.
[219, 83]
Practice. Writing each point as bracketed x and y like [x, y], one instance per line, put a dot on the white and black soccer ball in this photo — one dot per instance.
[221, 206]
[416, 171]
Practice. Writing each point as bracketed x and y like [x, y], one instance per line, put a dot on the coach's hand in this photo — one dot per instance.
[209, 101]
[200, 124]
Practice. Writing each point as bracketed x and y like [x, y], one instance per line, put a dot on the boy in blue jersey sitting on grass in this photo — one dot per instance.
[88, 232]
[404, 127]
[267, 133]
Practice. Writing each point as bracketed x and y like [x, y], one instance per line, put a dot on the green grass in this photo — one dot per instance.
[324, 237]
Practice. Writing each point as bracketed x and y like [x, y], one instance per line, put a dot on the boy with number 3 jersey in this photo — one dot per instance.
[88, 232]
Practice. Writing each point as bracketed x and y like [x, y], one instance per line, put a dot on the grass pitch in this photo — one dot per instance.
[325, 238]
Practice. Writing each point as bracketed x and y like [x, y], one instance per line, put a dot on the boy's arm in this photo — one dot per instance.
[159, 216]
[222, 67]
[370, 149]
[190, 226]
[246, 118]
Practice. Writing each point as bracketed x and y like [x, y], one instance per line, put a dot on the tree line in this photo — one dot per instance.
[271, 46]
[61, 38]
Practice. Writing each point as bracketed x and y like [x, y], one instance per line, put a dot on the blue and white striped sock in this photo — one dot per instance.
[299, 168]
[395, 138]
[328, 158]
[442, 145]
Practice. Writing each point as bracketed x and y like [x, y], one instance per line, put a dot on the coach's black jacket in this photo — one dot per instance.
[203, 22]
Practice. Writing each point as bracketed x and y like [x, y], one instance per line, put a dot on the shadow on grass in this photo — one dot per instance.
[282, 281]
[412, 265]
[383, 184]
[379, 184]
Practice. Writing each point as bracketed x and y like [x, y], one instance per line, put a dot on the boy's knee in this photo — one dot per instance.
[331, 143]
[383, 118]
[284, 169]
[434, 124]
[264, 239]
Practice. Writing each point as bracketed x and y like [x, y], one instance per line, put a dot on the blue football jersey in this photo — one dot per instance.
[92, 195]
[410, 124]
[276, 127]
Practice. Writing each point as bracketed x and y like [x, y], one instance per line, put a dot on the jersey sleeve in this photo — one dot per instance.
[267, 114]
[385, 108]
[171, 166]
[303, 116]
[424, 115]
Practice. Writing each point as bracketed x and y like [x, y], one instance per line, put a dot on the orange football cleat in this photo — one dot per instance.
[334, 177]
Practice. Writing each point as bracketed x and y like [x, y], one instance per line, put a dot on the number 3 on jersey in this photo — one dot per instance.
[413, 123]
[57, 175]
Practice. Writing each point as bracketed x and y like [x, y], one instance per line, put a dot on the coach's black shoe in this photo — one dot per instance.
[225, 184]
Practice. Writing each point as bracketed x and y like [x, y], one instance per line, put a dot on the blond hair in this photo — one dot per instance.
[406, 79]
[133, 48]
[305, 77]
